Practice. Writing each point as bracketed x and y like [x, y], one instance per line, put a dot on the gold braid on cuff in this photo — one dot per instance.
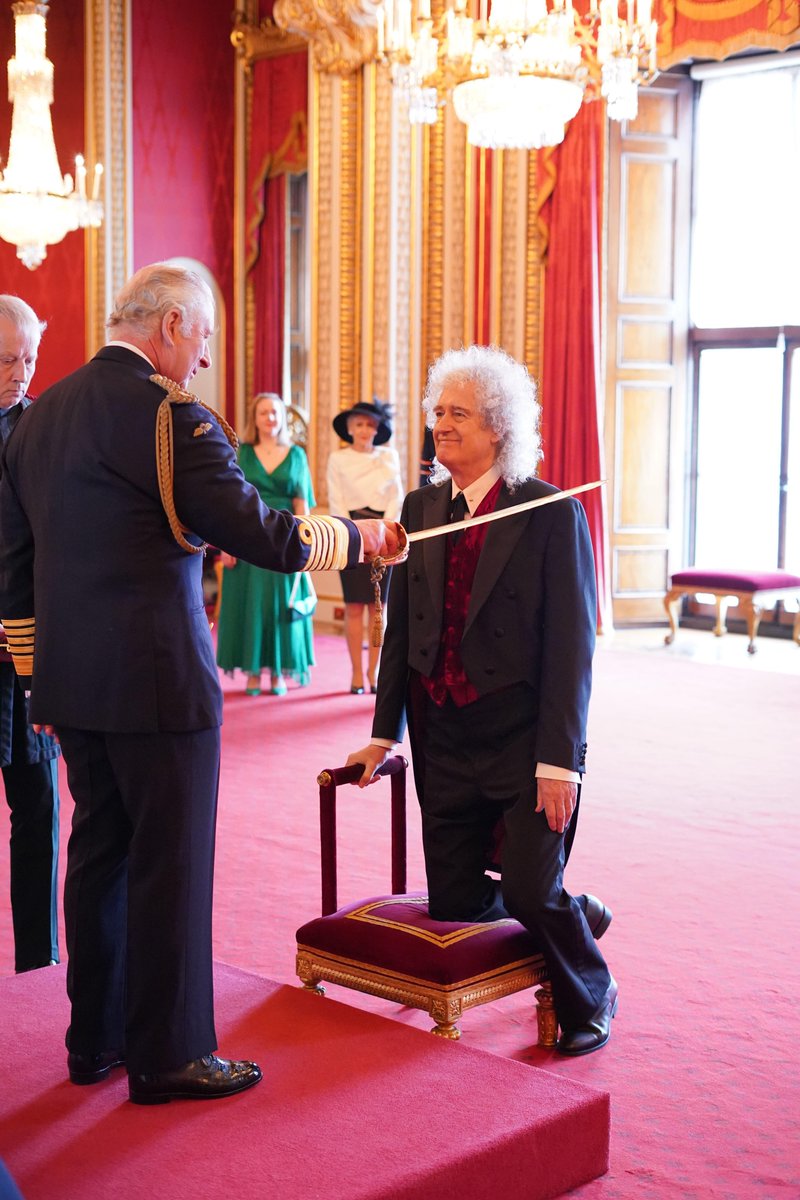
[328, 540]
[165, 460]
[21, 635]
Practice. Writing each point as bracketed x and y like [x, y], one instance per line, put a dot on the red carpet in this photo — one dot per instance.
[690, 830]
[352, 1107]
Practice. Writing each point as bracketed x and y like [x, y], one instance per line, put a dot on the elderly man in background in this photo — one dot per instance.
[112, 482]
[28, 759]
[488, 653]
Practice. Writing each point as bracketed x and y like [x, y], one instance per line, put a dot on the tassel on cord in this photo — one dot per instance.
[376, 572]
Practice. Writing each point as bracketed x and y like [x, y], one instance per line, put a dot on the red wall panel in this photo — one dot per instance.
[56, 288]
[183, 130]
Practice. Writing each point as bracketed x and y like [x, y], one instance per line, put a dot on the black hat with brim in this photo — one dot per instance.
[376, 412]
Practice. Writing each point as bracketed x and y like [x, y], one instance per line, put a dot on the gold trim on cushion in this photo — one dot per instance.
[21, 634]
[365, 913]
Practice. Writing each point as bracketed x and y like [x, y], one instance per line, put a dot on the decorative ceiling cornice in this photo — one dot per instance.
[267, 40]
[342, 33]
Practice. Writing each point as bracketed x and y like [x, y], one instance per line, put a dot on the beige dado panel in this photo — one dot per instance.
[658, 115]
[644, 342]
[647, 263]
[640, 570]
[642, 467]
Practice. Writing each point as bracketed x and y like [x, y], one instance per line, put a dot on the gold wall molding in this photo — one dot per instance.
[534, 274]
[381, 144]
[341, 32]
[108, 249]
[253, 42]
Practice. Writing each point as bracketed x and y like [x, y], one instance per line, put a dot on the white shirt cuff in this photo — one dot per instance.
[384, 743]
[546, 771]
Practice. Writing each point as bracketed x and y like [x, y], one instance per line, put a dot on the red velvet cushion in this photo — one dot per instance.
[396, 934]
[737, 581]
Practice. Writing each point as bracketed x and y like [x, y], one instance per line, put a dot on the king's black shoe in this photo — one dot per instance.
[93, 1068]
[596, 1031]
[207, 1078]
[598, 916]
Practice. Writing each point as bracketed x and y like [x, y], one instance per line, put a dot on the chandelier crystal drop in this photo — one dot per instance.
[518, 70]
[39, 205]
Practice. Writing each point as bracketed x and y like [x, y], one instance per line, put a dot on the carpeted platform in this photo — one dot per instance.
[352, 1107]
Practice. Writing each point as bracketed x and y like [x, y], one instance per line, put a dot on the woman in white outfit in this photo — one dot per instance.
[363, 479]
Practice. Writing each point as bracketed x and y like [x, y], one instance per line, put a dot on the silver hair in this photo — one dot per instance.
[21, 315]
[153, 291]
[507, 405]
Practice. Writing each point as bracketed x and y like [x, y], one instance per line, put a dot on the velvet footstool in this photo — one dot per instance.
[388, 945]
[754, 590]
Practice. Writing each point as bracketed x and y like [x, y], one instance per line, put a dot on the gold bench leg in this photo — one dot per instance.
[752, 614]
[446, 1014]
[546, 1019]
[721, 605]
[671, 601]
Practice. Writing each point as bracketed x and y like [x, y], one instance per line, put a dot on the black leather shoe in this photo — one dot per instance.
[598, 917]
[356, 691]
[596, 1031]
[206, 1078]
[93, 1068]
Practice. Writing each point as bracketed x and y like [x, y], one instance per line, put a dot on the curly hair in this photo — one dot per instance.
[507, 405]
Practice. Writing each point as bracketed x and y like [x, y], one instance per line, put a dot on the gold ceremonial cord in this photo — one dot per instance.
[165, 453]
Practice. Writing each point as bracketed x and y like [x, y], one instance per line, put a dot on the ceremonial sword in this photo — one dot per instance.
[378, 565]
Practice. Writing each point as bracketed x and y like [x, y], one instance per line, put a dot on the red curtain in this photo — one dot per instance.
[278, 146]
[716, 28]
[571, 390]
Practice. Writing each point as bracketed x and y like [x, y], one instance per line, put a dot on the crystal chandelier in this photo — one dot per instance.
[518, 70]
[38, 206]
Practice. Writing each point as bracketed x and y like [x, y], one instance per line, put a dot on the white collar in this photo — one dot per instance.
[475, 492]
[135, 349]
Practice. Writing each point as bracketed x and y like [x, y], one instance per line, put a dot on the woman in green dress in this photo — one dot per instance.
[257, 631]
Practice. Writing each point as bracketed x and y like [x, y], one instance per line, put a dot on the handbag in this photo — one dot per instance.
[301, 606]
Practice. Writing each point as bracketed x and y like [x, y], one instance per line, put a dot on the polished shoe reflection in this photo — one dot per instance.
[596, 1031]
[207, 1078]
[598, 917]
[93, 1068]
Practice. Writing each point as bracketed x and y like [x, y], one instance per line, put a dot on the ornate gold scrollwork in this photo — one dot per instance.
[266, 40]
[342, 33]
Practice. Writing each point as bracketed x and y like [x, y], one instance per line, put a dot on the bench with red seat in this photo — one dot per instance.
[754, 591]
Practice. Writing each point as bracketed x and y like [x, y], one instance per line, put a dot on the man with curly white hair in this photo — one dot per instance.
[488, 657]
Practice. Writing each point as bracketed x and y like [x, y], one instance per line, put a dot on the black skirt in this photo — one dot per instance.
[356, 583]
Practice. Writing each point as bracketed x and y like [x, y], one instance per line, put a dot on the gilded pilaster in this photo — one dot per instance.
[350, 210]
[433, 247]
[454, 230]
[325, 271]
[513, 249]
[534, 275]
[381, 234]
[108, 249]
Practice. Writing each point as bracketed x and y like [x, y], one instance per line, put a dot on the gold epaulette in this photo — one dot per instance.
[165, 452]
[21, 635]
[329, 540]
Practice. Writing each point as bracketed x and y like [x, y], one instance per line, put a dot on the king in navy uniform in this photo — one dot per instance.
[112, 483]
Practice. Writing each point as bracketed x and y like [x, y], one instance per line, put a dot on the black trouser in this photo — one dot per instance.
[32, 796]
[138, 893]
[480, 766]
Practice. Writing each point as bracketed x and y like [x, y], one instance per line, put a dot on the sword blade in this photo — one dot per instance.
[423, 534]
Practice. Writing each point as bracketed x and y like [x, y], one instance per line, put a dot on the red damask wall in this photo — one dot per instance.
[183, 129]
[56, 288]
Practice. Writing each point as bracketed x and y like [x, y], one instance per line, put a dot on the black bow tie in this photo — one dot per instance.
[458, 512]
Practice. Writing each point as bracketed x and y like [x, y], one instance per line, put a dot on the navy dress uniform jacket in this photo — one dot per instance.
[122, 639]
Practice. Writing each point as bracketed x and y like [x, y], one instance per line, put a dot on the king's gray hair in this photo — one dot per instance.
[153, 291]
[507, 405]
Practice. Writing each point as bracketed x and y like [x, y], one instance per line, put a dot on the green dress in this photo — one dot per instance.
[255, 631]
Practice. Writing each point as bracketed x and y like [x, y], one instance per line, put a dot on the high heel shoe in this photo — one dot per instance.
[278, 688]
[253, 686]
[356, 691]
